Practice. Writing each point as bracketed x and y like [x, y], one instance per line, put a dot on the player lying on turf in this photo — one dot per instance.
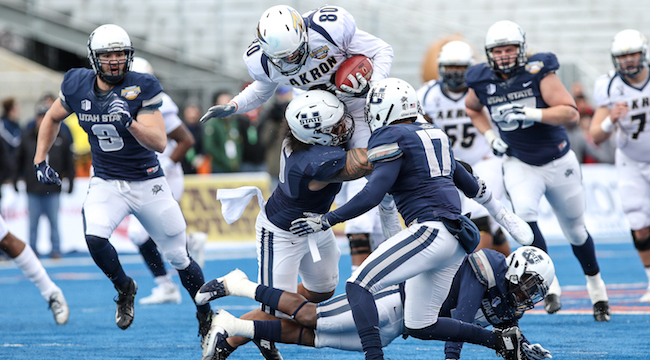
[486, 283]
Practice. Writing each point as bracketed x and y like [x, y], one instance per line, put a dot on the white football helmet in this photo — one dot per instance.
[502, 33]
[282, 34]
[109, 38]
[318, 117]
[629, 42]
[455, 53]
[390, 100]
[530, 273]
[141, 65]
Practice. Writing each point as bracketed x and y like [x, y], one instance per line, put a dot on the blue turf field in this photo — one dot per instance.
[28, 331]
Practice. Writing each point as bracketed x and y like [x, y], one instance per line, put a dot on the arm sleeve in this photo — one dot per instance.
[469, 300]
[382, 178]
[254, 95]
[465, 181]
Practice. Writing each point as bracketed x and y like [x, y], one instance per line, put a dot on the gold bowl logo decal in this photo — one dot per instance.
[131, 92]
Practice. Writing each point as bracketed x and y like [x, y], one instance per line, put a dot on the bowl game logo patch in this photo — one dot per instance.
[534, 67]
[131, 92]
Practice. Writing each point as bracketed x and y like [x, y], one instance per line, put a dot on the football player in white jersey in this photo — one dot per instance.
[622, 104]
[443, 103]
[179, 141]
[304, 51]
[26, 260]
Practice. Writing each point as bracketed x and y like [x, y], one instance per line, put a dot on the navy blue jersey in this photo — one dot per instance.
[116, 154]
[479, 293]
[414, 163]
[292, 197]
[532, 142]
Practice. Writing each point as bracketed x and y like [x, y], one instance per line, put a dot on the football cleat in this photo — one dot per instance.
[509, 343]
[125, 309]
[59, 307]
[552, 303]
[268, 349]
[221, 321]
[219, 287]
[205, 320]
[516, 227]
[601, 311]
[645, 297]
[163, 293]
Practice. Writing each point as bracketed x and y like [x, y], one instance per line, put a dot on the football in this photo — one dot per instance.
[351, 66]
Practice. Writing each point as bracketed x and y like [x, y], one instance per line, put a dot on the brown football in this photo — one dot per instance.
[352, 66]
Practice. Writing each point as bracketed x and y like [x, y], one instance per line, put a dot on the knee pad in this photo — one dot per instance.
[483, 224]
[178, 258]
[576, 233]
[641, 244]
[359, 243]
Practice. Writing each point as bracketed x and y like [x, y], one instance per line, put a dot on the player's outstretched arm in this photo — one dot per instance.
[356, 166]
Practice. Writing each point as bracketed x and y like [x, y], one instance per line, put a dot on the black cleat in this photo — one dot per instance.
[205, 320]
[552, 303]
[601, 311]
[222, 350]
[509, 343]
[268, 349]
[124, 300]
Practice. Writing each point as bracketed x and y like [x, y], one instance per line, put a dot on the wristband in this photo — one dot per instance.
[607, 125]
[533, 114]
[490, 135]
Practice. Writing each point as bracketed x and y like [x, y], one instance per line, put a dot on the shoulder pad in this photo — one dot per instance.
[477, 73]
[482, 268]
[73, 78]
[542, 64]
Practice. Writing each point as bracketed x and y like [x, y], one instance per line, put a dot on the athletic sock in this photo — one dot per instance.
[105, 256]
[28, 263]
[192, 280]
[586, 255]
[152, 257]
[538, 240]
[366, 319]
[268, 296]
[268, 330]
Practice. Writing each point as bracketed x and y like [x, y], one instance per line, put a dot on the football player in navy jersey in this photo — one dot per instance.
[414, 162]
[119, 111]
[529, 104]
[488, 289]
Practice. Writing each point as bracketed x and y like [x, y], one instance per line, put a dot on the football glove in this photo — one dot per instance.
[46, 175]
[359, 89]
[535, 351]
[499, 147]
[219, 111]
[310, 224]
[119, 106]
[509, 113]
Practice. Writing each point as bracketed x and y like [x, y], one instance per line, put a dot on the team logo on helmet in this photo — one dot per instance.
[534, 67]
[131, 92]
[532, 257]
[311, 122]
[297, 22]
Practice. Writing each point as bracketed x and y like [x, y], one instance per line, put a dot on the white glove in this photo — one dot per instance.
[535, 351]
[311, 223]
[509, 113]
[219, 111]
[499, 147]
[360, 87]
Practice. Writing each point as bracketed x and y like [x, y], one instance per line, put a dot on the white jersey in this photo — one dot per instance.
[632, 132]
[169, 112]
[333, 37]
[449, 114]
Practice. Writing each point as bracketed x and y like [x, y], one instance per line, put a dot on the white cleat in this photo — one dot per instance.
[221, 287]
[162, 294]
[645, 297]
[221, 322]
[59, 307]
[196, 246]
[515, 226]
